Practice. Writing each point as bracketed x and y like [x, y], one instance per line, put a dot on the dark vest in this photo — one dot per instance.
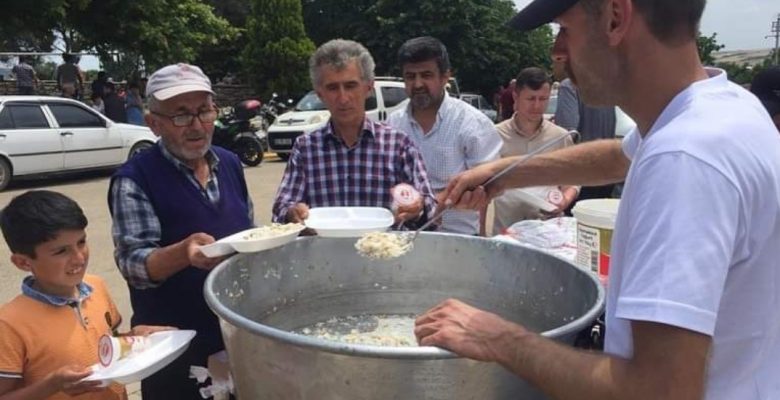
[182, 211]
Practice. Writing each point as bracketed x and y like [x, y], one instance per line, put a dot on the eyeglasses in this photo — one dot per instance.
[182, 120]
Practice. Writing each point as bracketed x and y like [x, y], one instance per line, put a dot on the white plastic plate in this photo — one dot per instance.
[164, 347]
[349, 221]
[238, 242]
[531, 196]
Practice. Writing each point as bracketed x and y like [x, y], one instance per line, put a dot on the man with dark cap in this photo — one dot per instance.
[694, 280]
[766, 86]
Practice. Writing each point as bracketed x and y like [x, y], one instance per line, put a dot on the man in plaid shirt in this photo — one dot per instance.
[352, 160]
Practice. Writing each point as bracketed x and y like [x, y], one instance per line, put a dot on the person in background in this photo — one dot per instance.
[525, 132]
[506, 105]
[97, 103]
[694, 275]
[352, 160]
[592, 123]
[168, 201]
[69, 77]
[26, 79]
[766, 86]
[134, 105]
[98, 84]
[452, 135]
[113, 106]
[46, 348]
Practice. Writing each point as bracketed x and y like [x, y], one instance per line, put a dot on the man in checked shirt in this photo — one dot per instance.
[352, 160]
[166, 202]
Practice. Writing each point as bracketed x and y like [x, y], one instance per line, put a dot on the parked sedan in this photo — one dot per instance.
[41, 135]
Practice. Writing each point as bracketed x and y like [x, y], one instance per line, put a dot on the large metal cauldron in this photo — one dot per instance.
[260, 297]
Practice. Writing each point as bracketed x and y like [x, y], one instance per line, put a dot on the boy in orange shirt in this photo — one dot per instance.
[49, 334]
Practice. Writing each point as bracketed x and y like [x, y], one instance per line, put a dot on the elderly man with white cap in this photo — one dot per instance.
[694, 280]
[166, 202]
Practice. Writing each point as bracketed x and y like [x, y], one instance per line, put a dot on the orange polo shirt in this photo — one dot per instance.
[37, 338]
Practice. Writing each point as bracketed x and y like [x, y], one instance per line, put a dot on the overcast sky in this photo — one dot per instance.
[740, 24]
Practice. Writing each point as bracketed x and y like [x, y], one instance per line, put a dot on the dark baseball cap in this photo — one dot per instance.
[539, 12]
[766, 86]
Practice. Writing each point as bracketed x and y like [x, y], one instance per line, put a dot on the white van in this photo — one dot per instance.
[310, 114]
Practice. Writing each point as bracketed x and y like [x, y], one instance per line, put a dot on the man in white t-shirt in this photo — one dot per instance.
[694, 288]
[452, 135]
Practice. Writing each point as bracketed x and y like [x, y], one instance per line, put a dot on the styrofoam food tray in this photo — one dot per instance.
[349, 221]
[164, 347]
[238, 242]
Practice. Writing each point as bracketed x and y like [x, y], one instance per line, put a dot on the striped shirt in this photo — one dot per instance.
[324, 172]
[136, 229]
[461, 138]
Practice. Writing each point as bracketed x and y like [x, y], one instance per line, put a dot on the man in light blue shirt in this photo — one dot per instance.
[452, 135]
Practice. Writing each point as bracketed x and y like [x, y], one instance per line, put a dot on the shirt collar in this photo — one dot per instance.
[366, 134]
[534, 134]
[211, 158]
[85, 290]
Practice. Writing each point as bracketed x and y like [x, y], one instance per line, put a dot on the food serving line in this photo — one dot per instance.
[332, 316]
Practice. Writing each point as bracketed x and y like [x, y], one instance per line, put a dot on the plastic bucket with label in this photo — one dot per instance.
[595, 224]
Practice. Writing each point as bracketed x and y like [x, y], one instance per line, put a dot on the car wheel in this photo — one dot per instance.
[137, 148]
[5, 173]
[250, 151]
[284, 156]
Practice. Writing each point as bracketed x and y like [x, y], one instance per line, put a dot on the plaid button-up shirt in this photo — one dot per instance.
[324, 172]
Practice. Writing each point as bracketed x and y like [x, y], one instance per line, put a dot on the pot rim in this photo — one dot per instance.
[391, 352]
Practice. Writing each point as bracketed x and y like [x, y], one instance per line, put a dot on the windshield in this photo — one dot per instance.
[310, 102]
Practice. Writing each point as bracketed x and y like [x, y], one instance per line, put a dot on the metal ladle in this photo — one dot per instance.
[410, 237]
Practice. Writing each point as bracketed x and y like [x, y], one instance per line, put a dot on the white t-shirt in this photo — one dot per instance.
[461, 138]
[697, 238]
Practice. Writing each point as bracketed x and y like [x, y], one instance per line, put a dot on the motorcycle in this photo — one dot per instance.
[235, 131]
[272, 109]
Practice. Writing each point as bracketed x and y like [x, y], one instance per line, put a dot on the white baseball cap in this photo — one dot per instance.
[176, 79]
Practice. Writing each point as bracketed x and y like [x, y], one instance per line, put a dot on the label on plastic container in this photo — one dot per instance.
[114, 348]
[404, 195]
[593, 249]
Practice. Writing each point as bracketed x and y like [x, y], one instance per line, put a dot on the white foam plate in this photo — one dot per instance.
[349, 221]
[238, 242]
[534, 200]
[164, 347]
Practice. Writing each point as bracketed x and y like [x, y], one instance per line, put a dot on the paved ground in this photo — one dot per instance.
[89, 190]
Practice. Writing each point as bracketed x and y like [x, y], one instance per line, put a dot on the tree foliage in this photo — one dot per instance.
[277, 51]
[708, 45]
[148, 32]
[484, 52]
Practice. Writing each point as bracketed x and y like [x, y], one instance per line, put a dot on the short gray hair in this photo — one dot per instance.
[337, 53]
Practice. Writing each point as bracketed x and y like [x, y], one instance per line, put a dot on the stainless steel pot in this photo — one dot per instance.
[260, 297]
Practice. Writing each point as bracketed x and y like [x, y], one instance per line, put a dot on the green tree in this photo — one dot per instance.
[223, 58]
[739, 73]
[147, 33]
[708, 45]
[275, 58]
[484, 52]
[159, 32]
